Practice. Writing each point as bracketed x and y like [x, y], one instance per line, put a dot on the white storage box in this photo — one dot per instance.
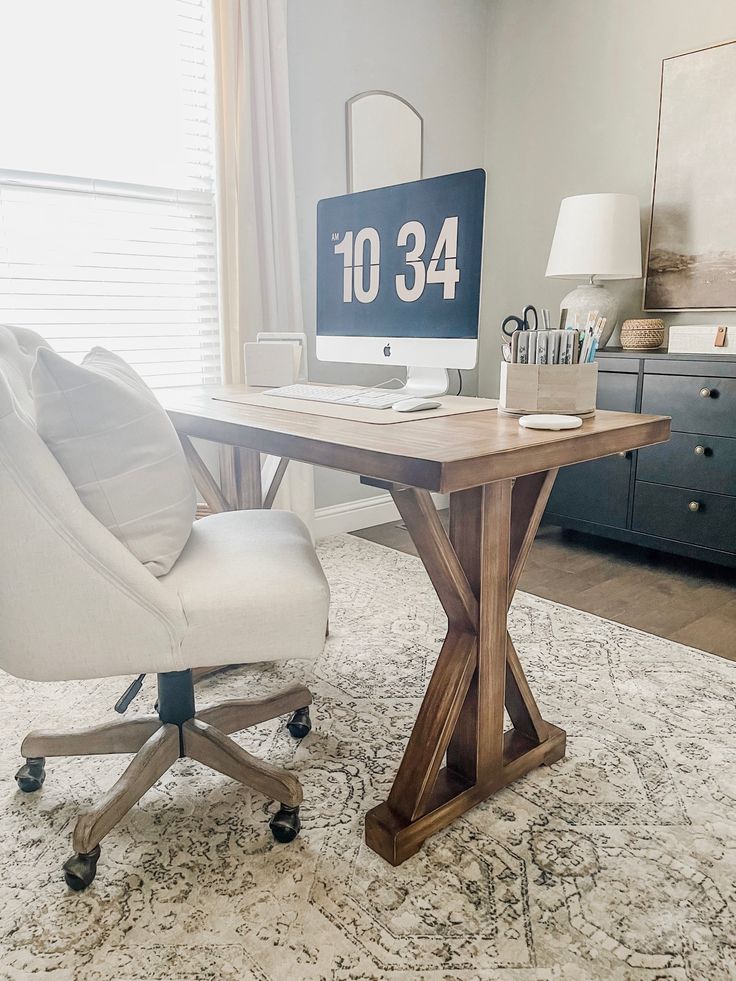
[701, 339]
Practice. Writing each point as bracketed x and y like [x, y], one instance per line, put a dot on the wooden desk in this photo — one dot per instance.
[499, 477]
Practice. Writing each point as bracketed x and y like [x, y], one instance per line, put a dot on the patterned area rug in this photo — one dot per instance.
[617, 862]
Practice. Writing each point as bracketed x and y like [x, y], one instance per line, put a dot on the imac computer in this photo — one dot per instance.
[398, 277]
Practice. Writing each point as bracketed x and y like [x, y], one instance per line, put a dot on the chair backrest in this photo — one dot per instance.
[18, 349]
[74, 602]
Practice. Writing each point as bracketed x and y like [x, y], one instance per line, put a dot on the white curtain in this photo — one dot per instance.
[259, 258]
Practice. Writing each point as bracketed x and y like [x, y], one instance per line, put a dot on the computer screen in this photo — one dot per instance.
[402, 261]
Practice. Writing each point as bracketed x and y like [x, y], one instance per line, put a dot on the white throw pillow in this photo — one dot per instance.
[119, 449]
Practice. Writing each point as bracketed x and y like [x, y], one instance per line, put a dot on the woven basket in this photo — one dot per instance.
[642, 335]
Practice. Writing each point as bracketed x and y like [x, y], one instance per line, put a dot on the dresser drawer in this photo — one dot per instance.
[617, 391]
[666, 512]
[705, 463]
[697, 403]
[597, 491]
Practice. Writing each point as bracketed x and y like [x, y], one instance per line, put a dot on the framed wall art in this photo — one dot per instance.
[691, 257]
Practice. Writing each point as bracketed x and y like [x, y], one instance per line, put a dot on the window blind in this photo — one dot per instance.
[90, 260]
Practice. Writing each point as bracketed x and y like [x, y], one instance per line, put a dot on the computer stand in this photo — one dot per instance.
[425, 382]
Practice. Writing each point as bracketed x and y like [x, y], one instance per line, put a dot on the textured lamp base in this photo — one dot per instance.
[586, 298]
[158, 741]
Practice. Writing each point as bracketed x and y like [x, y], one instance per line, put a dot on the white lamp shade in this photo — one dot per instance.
[597, 235]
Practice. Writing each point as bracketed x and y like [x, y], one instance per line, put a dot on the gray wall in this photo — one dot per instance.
[572, 102]
[431, 52]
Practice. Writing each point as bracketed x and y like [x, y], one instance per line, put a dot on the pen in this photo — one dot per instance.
[598, 333]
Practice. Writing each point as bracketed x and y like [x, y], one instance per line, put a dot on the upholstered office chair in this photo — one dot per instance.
[76, 604]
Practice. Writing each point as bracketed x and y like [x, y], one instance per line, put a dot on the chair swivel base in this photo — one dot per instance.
[157, 742]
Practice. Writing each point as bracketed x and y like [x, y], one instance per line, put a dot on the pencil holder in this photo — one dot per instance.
[564, 389]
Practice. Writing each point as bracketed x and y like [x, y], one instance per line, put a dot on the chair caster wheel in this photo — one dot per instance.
[80, 869]
[300, 725]
[285, 824]
[32, 774]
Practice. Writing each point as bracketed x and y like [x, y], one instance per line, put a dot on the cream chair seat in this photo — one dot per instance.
[237, 577]
[76, 604]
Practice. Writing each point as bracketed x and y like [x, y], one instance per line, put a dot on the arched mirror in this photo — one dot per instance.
[384, 141]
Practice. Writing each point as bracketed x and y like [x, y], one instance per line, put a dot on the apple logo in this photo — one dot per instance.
[387, 351]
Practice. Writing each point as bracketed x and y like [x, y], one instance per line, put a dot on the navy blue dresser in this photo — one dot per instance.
[678, 496]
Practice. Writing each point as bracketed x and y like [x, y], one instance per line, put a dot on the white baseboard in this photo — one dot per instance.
[337, 519]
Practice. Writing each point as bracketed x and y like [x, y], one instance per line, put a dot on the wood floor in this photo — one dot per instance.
[681, 599]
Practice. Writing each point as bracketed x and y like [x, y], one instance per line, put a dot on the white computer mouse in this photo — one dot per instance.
[415, 405]
[550, 422]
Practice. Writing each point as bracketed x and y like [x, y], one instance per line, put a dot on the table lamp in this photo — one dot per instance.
[597, 237]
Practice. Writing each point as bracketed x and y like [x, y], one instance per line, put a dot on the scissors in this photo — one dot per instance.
[522, 322]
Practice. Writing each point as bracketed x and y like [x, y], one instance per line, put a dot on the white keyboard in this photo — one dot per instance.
[367, 398]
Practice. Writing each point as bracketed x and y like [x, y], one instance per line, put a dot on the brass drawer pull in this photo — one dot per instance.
[706, 393]
[694, 505]
[699, 450]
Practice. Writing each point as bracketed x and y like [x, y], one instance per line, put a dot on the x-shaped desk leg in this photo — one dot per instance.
[461, 720]
[246, 481]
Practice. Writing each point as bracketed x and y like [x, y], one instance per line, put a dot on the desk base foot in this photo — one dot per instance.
[396, 839]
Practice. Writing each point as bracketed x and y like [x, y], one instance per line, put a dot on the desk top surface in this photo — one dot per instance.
[444, 454]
